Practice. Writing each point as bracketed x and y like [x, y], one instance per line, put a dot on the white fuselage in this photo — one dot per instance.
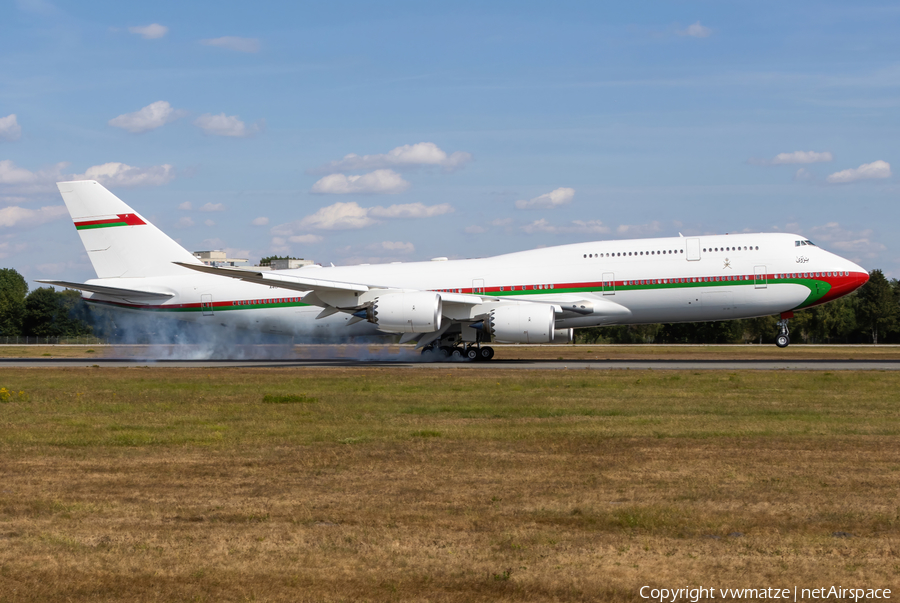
[675, 279]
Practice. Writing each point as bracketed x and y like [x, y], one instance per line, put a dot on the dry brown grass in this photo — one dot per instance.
[440, 485]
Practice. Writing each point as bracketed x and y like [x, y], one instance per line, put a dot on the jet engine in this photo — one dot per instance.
[564, 335]
[523, 323]
[417, 312]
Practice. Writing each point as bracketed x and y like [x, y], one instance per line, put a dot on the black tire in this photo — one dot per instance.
[444, 352]
[486, 353]
[782, 341]
[472, 354]
[457, 354]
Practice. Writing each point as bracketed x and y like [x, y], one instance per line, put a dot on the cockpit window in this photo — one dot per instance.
[802, 243]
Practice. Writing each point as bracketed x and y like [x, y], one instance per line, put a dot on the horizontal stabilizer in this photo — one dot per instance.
[110, 291]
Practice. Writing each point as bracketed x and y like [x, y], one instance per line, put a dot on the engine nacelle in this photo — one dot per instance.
[523, 323]
[564, 335]
[418, 312]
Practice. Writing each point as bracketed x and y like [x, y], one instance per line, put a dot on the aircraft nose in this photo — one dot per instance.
[859, 275]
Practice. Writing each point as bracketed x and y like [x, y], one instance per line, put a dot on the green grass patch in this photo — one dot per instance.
[288, 399]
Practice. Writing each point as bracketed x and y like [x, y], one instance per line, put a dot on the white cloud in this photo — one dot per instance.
[54, 267]
[410, 210]
[149, 118]
[802, 157]
[20, 180]
[858, 243]
[797, 157]
[215, 243]
[20, 183]
[307, 239]
[209, 223]
[186, 206]
[474, 229]
[803, 174]
[403, 157]
[340, 216]
[380, 182]
[21, 217]
[395, 246]
[120, 174]
[150, 32]
[555, 198]
[10, 128]
[867, 171]
[575, 226]
[184, 222]
[280, 246]
[350, 216]
[234, 43]
[212, 207]
[695, 31]
[260, 221]
[10, 174]
[639, 230]
[222, 125]
[502, 222]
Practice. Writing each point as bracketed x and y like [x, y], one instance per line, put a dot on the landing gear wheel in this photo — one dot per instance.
[472, 353]
[444, 352]
[485, 353]
[783, 339]
[457, 354]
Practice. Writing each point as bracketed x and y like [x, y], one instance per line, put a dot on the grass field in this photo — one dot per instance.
[150, 484]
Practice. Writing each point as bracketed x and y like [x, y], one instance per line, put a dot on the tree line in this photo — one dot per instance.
[871, 314]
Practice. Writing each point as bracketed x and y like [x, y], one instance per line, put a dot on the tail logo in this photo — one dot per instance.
[119, 220]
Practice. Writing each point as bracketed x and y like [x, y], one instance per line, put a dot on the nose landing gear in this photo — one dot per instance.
[783, 339]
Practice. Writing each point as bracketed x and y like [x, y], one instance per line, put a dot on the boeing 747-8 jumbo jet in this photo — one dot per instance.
[455, 307]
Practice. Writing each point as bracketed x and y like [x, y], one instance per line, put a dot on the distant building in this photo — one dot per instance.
[288, 264]
[219, 258]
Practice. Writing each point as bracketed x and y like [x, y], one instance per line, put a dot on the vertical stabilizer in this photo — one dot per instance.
[118, 240]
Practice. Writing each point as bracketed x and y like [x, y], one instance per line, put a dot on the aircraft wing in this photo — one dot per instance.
[111, 291]
[315, 285]
[294, 283]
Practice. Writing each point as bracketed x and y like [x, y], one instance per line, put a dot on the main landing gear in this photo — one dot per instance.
[783, 339]
[459, 352]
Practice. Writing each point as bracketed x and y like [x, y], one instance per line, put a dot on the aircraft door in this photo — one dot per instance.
[478, 285]
[759, 277]
[609, 283]
[693, 250]
[206, 305]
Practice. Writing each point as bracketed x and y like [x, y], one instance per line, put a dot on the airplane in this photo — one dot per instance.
[453, 308]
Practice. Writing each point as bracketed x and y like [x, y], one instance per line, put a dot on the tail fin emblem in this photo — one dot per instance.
[119, 220]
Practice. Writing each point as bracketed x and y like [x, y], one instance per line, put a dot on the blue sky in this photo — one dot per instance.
[351, 132]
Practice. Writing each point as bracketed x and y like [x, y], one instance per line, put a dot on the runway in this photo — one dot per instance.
[720, 365]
